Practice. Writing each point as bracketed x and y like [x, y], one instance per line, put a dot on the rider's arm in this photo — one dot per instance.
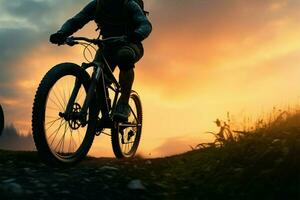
[79, 20]
[143, 27]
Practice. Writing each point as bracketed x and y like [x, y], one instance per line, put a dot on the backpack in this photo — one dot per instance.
[139, 2]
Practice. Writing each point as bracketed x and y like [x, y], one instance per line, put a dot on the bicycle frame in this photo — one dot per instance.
[102, 79]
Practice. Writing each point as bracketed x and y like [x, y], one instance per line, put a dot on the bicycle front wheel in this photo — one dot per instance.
[61, 138]
[125, 137]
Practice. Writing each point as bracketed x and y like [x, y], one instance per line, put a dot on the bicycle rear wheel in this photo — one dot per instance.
[125, 137]
[62, 140]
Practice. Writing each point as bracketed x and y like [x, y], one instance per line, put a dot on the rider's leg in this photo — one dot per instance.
[126, 78]
[126, 59]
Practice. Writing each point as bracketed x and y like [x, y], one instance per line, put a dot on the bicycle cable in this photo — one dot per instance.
[87, 49]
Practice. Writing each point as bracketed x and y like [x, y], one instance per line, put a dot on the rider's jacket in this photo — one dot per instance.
[114, 18]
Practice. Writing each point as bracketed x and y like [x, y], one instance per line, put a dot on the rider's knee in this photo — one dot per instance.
[126, 57]
[129, 55]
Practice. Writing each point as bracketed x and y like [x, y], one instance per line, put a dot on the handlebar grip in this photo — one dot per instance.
[69, 41]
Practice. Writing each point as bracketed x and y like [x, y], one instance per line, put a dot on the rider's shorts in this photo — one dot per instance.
[124, 56]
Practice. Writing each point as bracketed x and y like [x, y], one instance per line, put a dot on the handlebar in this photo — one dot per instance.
[71, 41]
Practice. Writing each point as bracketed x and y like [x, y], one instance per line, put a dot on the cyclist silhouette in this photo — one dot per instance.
[115, 18]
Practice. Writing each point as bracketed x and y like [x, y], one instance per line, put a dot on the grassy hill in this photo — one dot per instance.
[261, 164]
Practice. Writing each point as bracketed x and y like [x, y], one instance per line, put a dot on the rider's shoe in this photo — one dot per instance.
[122, 112]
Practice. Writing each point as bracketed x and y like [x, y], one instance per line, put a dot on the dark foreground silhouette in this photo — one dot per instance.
[12, 139]
[1, 120]
[263, 164]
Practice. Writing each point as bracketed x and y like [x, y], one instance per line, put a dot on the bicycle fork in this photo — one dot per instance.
[97, 79]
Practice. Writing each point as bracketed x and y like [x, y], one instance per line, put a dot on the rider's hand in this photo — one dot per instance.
[58, 38]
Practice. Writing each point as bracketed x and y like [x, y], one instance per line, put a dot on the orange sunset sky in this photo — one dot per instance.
[203, 58]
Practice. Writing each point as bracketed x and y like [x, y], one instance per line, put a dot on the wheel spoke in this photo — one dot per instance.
[54, 102]
[52, 123]
[51, 117]
[134, 114]
[126, 151]
[65, 99]
[61, 106]
[79, 134]
[63, 102]
[70, 142]
[129, 142]
[61, 141]
[52, 108]
[56, 131]
[69, 85]
[74, 142]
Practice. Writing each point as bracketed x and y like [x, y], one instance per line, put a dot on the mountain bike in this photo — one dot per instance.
[72, 106]
[1, 120]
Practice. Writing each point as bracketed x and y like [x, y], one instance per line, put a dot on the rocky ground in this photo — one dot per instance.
[23, 176]
[264, 164]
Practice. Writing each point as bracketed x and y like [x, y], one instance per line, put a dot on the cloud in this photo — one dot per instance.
[193, 41]
[15, 43]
